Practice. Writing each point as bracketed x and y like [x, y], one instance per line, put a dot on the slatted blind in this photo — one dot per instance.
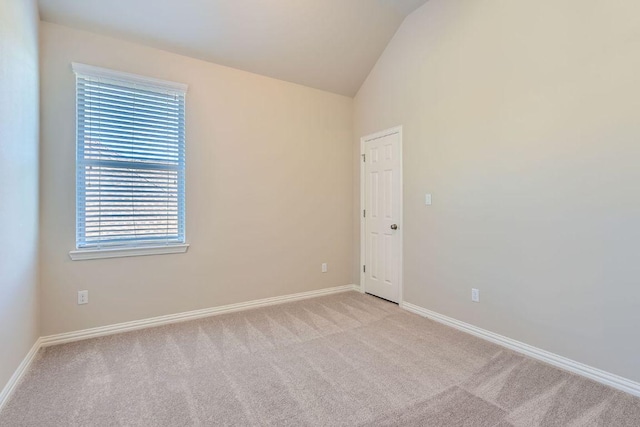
[130, 160]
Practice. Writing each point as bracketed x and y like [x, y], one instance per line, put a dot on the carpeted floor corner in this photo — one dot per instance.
[346, 359]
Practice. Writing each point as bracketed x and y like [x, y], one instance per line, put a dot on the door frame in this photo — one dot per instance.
[363, 141]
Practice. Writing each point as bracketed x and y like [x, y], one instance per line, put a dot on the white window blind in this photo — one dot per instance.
[130, 160]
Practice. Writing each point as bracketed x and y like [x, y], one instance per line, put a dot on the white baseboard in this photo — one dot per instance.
[19, 373]
[151, 322]
[182, 317]
[595, 374]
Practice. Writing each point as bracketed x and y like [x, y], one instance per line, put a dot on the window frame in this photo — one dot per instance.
[132, 247]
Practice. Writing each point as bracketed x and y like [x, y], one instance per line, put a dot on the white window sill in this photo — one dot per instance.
[84, 254]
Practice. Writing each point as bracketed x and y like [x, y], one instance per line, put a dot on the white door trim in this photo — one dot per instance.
[363, 140]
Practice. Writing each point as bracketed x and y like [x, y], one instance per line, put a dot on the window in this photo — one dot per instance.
[130, 164]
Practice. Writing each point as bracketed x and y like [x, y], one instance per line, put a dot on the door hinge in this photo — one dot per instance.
[364, 157]
[364, 213]
[364, 268]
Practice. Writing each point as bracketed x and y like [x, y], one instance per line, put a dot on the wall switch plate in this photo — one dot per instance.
[427, 199]
[475, 295]
[83, 297]
[324, 267]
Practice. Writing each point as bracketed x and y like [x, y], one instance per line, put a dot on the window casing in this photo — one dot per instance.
[130, 161]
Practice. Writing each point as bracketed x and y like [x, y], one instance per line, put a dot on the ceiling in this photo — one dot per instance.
[326, 44]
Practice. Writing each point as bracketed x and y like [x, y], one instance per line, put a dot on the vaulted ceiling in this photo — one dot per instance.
[326, 44]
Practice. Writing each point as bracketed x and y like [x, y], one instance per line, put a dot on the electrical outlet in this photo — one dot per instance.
[83, 297]
[324, 267]
[475, 295]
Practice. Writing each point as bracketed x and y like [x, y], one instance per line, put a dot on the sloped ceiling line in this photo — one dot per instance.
[325, 44]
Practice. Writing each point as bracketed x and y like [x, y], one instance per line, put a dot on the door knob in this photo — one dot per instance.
[394, 226]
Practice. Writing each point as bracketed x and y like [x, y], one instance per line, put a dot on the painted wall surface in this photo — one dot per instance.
[523, 121]
[268, 190]
[18, 183]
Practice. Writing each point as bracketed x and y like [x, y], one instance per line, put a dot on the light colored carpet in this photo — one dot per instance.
[344, 359]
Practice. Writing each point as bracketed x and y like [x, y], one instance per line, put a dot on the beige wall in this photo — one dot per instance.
[268, 190]
[18, 183]
[523, 121]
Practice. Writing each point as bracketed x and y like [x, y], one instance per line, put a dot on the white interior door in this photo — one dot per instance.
[382, 214]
